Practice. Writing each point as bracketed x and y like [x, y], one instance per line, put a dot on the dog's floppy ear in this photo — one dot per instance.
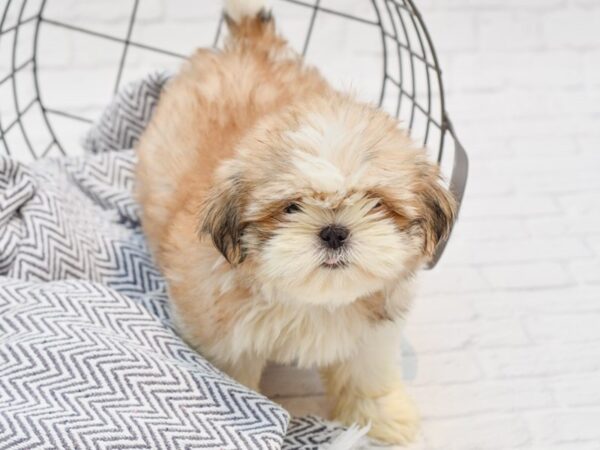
[221, 215]
[437, 209]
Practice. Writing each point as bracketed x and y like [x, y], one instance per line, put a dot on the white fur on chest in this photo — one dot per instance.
[307, 335]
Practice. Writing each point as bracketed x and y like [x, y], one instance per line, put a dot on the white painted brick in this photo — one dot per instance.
[544, 146]
[545, 360]
[452, 31]
[485, 397]
[535, 165]
[493, 5]
[587, 271]
[90, 52]
[580, 445]
[185, 10]
[574, 28]
[509, 30]
[592, 68]
[537, 5]
[594, 243]
[355, 7]
[443, 368]
[572, 224]
[564, 328]
[549, 300]
[473, 71]
[583, 203]
[577, 390]
[589, 4]
[444, 307]
[488, 230]
[567, 427]
[489, 182]
[179, 37]
[56, 49]
[64, 89]
[588, 222]
[541, 124]
[559, 182]
[509, 103]
[508, 207]
[577, 102]
[527, 276]
[517, 250]
[544, 69]
[478, 432]
[500, 333]
[536, 70]
[549, 226]
[448, 280]
[435, 338]
[438, 338]
[152, 10]
[588, 143]
[107, 11]
[483, 147]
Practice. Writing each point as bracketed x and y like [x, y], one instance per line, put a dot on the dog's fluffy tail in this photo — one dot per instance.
[238, 10]
[252, 28]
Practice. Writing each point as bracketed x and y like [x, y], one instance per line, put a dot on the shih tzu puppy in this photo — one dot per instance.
[289, 219]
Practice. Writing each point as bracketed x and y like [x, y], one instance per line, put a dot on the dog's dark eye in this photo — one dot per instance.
[377, 205]
[292, 208]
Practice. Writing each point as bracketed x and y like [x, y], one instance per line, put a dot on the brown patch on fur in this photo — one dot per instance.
[222, 218]
[268, 220]
[374, 307]
[434, 205]
[391, 210]
[437, 209]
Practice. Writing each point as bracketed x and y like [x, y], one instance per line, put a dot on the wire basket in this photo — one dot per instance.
[34, 124]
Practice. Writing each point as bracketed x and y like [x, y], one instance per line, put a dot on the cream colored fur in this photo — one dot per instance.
[350, 439]
[249, 155]
[238, 9]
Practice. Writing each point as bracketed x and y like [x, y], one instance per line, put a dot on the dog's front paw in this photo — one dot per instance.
[393, 416]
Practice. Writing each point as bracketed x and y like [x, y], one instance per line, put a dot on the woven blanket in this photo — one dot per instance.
[88, 356]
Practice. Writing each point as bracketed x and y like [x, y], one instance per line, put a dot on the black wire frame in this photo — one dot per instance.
[404, 37]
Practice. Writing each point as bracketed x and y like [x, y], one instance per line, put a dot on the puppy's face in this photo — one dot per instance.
[328, 203]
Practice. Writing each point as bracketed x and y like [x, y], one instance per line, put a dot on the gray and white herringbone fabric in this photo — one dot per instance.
[88, 357]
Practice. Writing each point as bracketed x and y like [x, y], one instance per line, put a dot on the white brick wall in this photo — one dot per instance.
[502, 350]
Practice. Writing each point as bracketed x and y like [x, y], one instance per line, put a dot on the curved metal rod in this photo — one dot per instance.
[2, 20]
[13, 80]
[384, 49]
[460, 166]
[445, 122]
[36, 82]
[400, 64]
[458, 184]
[413, 78]
[427, 76]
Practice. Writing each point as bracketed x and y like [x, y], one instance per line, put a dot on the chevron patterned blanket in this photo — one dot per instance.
[88, 356]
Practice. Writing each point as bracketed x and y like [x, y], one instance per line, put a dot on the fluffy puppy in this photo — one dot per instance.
[289, 220]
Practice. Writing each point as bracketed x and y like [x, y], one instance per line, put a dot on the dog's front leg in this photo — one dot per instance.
[246, 370]
[368, 388]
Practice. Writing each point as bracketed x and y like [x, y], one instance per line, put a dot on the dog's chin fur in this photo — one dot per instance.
[249, 155]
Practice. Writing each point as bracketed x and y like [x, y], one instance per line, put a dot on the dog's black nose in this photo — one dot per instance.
[334, 236]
